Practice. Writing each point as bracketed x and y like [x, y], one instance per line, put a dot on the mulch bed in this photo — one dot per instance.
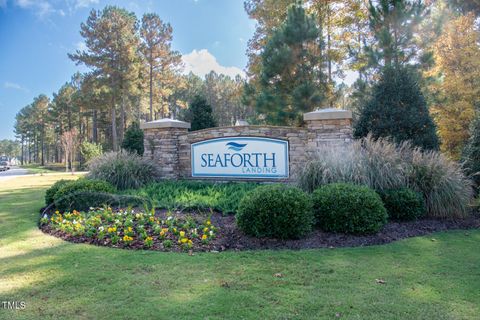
[229, 237]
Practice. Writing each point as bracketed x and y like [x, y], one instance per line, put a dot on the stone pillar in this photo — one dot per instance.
[161, 141]
[328, 127]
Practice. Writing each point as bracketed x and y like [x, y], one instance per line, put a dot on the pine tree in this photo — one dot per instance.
[398, 110]
[290, 82]
[394, 23]
[200, 114]
[112, 42]
[161, 61]
[133, 141]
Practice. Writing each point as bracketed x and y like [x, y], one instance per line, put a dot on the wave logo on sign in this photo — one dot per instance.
[236, 146]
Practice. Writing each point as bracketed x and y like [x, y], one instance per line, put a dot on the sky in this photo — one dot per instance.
[36, 35]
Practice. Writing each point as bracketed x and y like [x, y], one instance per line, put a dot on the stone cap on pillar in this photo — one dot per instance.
[165, 123]
[327, 114]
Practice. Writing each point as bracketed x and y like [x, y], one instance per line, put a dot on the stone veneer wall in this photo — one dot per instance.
[170, 140]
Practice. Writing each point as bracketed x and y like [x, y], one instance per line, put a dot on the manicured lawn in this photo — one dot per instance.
[35, 168]
[433, 277]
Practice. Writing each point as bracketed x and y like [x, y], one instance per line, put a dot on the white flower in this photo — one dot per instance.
[74, 221]
[45, 216]
[170, 218]
[211, 232]
[101, 228]
[64, 221]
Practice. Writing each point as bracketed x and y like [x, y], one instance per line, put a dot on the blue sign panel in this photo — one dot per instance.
[240, 157]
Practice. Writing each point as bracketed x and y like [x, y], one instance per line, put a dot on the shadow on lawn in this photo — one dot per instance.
[90, 282]
[424, 278]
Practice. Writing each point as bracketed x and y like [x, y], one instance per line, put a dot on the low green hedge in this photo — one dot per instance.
[82, 194]
[348, 208]
[50, 193]
[403, 204]
[277, 211]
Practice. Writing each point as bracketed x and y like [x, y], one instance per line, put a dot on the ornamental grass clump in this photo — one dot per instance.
[378, 164]
[447, 192]
[123, 169]
[383, 165]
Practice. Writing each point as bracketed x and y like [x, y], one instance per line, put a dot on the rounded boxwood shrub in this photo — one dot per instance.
[50, 193]
[83, 194]
[277, 211]
[348, 208]
[403, 204]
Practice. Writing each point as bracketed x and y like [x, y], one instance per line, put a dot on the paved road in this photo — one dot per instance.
[12, 173]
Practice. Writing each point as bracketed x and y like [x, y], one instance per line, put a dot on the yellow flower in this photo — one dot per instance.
[184, 240]
[164, 230]
[162, 233]
[174, 229]
[190, 242]
[129, 229]
[205, 229]
[151, 219]
[208, 222]
[127, 238]
[182, 234]
[149, 239]
[204, 237]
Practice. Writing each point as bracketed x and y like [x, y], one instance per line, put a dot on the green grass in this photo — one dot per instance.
[223, 197]
[36, 168]
[425, 279]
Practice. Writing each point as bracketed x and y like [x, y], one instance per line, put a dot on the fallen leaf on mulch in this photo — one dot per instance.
[278, 275]
[380, 281]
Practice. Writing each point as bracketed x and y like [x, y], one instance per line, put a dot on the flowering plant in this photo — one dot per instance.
[132, 228]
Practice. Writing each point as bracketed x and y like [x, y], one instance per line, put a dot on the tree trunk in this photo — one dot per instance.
[94, 127]
[114, 125]
[66, 160]
[21, 160]
[122, 119]
[42, 144]
[151, 92]
[329, 43]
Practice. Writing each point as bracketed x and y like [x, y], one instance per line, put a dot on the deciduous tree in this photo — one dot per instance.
[457, 88]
